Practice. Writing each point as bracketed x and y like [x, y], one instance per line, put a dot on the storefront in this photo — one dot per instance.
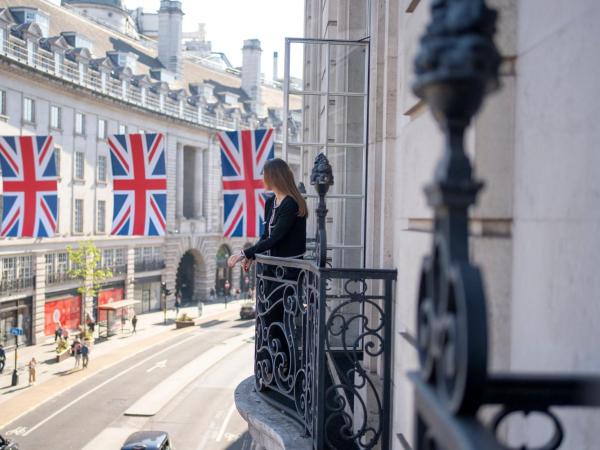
[147, 292]
[15, 313]
[64, 309]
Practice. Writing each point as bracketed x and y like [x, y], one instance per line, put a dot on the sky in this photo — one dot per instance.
[229, 22]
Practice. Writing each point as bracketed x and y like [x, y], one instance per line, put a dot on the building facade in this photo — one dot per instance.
[65, 75]
[535, 229]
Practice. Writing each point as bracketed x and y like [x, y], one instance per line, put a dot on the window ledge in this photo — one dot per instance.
[269, 427]
[78, 181]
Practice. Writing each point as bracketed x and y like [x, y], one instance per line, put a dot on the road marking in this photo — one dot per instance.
[159, 365]
[17, 431]
[155, 400]
[104, 383]
[225, 423]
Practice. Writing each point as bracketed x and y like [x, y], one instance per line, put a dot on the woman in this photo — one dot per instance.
[32, 365]
[284, 233]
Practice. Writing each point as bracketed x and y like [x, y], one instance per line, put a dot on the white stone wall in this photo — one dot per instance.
[536, 225]
[201, 234]
[556, 197]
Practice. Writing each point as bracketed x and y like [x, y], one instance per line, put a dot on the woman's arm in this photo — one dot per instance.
[288, 214]
[237, 257]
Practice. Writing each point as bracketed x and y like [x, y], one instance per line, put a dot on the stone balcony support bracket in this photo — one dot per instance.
[269, 427]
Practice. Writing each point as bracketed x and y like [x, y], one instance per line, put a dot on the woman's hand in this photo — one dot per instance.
[234, 259]
[246, 264]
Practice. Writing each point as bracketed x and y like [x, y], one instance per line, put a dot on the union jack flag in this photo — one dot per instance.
[139, 184]
[29, 182]
[243, 157]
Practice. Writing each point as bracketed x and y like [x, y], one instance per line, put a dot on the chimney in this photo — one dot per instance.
[170, 18]
[275, 61]
[251, 71]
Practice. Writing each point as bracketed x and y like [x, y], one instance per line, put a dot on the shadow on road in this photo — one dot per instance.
[244, 442]
[10, 391]
[212, 323]
[244, 324]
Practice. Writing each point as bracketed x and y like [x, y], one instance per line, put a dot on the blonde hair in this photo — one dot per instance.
[278, 175]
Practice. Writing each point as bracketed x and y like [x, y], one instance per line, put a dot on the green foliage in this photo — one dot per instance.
[185, 318]
[85, 266]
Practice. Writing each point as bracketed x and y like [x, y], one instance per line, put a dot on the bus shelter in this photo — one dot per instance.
[113, 316]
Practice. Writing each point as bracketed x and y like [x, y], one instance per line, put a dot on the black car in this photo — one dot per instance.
[8, 444]
[148, 440]
[248, 311]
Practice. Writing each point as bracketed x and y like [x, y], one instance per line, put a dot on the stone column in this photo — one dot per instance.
[198, 182]
[39, 298]
[179, 182]
[130, 278]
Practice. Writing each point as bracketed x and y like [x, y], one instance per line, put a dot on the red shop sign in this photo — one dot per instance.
[67, 311]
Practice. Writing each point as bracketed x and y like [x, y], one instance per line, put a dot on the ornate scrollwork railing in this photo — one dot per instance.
[323, 349]
[456, 66]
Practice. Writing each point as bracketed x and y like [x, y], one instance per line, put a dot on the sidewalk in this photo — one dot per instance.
[51, 378]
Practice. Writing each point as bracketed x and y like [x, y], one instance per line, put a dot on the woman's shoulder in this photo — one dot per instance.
[289, 203]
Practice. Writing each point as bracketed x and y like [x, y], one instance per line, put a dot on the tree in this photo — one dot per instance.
[85, 267]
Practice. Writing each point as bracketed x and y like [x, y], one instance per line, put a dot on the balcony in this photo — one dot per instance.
[322, 353]
[10, 287]
[53, 279]
[149, 266]
[118, 270]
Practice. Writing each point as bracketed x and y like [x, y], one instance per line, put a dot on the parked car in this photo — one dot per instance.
[8, 444]
[148, 440]
[248, 311]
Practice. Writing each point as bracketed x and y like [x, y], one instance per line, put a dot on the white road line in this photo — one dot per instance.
[225, 423]
[101, 385]
[155, 400]
[159, 365]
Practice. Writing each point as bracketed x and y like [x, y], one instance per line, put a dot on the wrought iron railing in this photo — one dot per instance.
[54, 278]
[14, 286]
[324, 343]
[456, 66]
[147, 266]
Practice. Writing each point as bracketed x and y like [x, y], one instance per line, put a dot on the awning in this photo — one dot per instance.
[118, 305]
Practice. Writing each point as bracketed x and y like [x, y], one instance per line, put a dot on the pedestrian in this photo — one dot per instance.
[57, 331]
[2, 358]
[32, 364]
[77, 352]
[133, 323]
[211, 295]
[227, 287]
[65, 334]
[85, 354]
[177, 304]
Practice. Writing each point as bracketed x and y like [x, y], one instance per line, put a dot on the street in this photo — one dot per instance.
[183, 386]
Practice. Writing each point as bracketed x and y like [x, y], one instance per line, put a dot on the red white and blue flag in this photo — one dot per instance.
[243, 157]
[139, 183]
[29, 182]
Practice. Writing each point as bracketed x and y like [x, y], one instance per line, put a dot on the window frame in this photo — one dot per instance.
[78, 201]
[102, 180]
[3, 94]
[58, 125]
[31, 110]
[79, 132]
[102, 136]
[76, 176]
[99, 229]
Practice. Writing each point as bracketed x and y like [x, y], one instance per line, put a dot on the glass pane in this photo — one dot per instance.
[347, 165]
[307, 68]
[346, 120]
[347, 68]
[344, 221]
